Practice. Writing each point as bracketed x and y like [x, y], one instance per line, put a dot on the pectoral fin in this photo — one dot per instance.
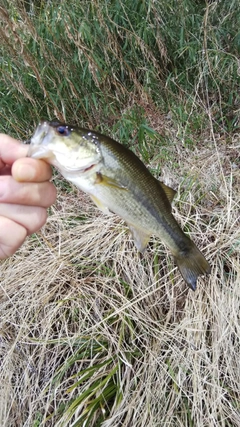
[140, 237]
[100, 205]
[110, 182]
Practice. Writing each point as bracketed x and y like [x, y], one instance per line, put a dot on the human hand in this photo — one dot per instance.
[25, 194]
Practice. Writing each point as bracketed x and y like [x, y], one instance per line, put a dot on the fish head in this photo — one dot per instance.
[68, 148]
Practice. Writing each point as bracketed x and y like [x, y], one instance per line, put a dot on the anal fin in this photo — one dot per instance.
[140, 237]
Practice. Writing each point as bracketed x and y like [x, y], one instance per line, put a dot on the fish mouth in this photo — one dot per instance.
[41, 132]
[42, 153]
[37, 152]
[41, 148]
[36, 149]
[78, 169]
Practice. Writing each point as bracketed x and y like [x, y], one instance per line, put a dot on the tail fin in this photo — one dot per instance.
[192, 265]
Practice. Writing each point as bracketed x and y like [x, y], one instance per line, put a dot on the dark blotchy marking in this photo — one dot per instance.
[99, 178]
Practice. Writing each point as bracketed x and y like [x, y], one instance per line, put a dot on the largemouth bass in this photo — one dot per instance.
[117, 181]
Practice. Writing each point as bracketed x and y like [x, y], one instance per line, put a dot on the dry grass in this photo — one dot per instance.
[91, 333]
[78, 296]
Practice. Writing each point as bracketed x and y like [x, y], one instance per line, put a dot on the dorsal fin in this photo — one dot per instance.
[170, 193]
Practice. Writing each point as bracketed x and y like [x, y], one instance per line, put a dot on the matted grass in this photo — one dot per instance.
[91, 333]
[94, 334]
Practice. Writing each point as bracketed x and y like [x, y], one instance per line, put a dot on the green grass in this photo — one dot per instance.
[104, 375]
[112, 52]
[93, 334]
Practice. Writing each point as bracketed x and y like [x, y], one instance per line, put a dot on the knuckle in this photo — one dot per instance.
[5, 187]
[47, 194]
[38, 220]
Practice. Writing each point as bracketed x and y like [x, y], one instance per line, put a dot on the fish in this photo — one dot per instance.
[119, 182]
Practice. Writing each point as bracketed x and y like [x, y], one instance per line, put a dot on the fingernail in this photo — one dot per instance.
[24, 172]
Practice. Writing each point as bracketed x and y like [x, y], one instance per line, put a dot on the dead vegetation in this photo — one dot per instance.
[91, 333]
[85, 319]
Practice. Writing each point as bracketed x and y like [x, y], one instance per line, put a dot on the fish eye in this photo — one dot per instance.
[63, 130]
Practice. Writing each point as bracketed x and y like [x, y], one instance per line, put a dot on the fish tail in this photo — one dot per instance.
[192, 265]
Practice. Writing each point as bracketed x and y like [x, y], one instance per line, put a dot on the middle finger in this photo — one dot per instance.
[27, 193]
[31, 218]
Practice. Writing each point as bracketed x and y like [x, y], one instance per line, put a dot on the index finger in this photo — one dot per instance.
[31, 170]
[11, 150]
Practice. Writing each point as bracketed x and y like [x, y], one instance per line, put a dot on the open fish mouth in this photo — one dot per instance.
[41, 147]
[38, 152]
[41, 152]
[77, 169]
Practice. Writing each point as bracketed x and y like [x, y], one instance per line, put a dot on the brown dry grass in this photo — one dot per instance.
[82, 279]
[78, 290]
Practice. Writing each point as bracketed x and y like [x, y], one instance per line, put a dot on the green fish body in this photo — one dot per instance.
[119, 182]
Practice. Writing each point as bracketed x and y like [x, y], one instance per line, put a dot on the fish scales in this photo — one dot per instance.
[143, 188]
[118, 181]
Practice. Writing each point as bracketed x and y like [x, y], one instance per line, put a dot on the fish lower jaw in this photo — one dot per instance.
[41, 154]
[72, 172]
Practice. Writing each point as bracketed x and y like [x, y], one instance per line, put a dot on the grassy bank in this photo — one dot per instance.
[92, 333]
